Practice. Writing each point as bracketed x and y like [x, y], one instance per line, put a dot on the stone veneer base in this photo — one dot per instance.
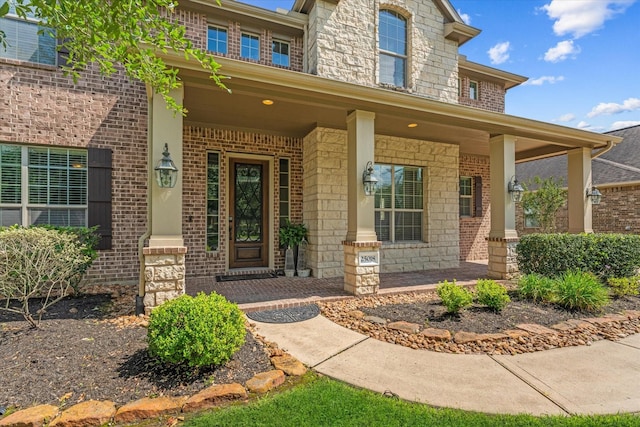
[164, 275]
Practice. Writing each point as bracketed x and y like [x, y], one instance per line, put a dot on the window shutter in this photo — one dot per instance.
[477, 194]
[99, 184]
[63, 54]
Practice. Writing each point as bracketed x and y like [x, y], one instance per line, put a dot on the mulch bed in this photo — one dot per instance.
[92, 347]
[426, 310]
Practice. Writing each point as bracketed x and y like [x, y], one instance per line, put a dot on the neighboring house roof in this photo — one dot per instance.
[619, 165]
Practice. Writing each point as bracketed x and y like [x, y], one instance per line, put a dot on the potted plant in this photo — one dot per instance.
[290, 236]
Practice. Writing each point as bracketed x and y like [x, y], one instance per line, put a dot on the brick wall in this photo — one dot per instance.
[353, 57]
[491, 95]
[39, 105]
[474, 230]
[197, 25]
[197, 142]
[618, 212]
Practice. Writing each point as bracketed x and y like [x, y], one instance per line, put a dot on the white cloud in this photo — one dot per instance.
[581, 17]
[465, 17]
[583, 125]
[544, 79]
[561, 51]
[499, 53]
[631, 104]
[624, 124]
[566, 117]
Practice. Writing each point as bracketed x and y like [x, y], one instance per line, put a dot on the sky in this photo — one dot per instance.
[582, 57]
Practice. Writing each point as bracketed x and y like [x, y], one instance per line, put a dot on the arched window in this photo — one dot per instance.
[393, 48]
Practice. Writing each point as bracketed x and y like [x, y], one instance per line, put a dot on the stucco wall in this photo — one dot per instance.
[325, 202]
[344, 45]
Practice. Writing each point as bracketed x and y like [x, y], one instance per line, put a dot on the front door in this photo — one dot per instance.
[248, 218]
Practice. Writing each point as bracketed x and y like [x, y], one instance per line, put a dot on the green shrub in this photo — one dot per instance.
[536, 287]
[38, 262]
[492, 294]
[624, 285]
[201, 331]
[605, 255]
[454, 297]
[88, 238]
[577, 290]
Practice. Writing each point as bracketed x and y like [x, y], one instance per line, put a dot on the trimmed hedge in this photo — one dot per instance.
[605, 255]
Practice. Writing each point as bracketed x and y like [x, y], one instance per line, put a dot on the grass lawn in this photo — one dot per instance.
[325, 402]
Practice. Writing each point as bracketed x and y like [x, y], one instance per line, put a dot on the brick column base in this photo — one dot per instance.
[361, 267]
[502, 258]
[164, 274]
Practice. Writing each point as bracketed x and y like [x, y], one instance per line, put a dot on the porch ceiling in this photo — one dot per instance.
[303, 102]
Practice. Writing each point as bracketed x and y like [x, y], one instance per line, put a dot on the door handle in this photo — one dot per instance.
[230, 228]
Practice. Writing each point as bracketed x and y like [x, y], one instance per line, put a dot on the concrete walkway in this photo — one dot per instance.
[603, 378]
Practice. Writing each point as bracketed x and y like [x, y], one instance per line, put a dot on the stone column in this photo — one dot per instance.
[579, 179]
[503, 236]
[164, 275]
[362, 267]
[361, 247]
[164, 258]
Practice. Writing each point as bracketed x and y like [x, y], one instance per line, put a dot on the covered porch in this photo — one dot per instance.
[336, 130]
[284, 292]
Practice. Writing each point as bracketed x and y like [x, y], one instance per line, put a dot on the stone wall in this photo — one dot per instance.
[41, 106]
[440, 247]
[353, 55]
[325, 202]
[197, 141]
[325, 199]
[474, 230]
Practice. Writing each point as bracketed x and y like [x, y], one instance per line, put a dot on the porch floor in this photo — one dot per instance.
[281, 292]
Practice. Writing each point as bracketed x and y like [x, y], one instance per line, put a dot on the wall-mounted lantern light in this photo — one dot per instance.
[595, 195]
[166, 170]
[516, 191]
[369, 181]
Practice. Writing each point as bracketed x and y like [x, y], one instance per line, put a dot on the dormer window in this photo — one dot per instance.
[393, 48]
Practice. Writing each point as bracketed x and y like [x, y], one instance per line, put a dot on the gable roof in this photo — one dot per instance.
[619, 165]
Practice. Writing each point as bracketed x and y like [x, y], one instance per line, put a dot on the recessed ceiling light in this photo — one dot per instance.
[267, 102]
[412, 125]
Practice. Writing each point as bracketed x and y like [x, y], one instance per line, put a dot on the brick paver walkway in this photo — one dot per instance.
[283, 292]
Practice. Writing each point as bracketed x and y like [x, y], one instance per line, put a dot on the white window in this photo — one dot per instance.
[250, 46]
[213, 201]
[285, 185]
[473, 90]
[393, 48]
[280, 53]
[41, 185]
[466, 193]
[217, 40]
[399, 203]
[26, 40]
[530, 221]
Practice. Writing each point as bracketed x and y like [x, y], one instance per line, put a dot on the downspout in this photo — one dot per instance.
[147, 232]
[610, 145]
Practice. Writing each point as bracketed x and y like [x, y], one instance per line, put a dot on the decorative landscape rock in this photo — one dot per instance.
[89, 413]
[437, 334]
[265, 381]
[409, 328]
[35, 416]
[535, 329]
[149, 408]
[289, 365]
[213, 396]
[376, 320]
